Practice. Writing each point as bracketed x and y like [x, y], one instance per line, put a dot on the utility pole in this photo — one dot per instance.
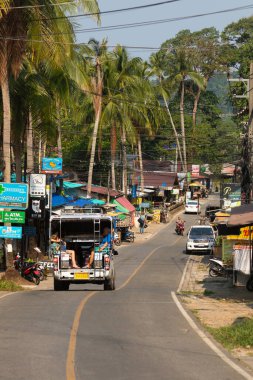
[250, 127]
[247, 144]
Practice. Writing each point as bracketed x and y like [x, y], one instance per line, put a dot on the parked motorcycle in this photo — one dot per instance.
[128, 236]
[31, 273]
[218, 269]
[117, 240]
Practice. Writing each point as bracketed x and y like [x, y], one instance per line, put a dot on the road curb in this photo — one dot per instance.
[208, 341]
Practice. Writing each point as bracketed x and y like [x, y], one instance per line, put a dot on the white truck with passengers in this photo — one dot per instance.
[80, 234]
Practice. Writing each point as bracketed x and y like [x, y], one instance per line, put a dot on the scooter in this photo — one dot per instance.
[180, 229]
[117, 240]
[128, 236]
[31, 273]
[218, 269]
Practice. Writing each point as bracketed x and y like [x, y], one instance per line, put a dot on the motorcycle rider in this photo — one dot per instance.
[180, 225]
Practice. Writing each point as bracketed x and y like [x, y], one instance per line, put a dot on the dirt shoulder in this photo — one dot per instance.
[216, 302]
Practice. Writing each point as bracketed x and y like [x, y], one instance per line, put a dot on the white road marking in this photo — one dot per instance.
[183, 275]
[209, 342]
[9, 294]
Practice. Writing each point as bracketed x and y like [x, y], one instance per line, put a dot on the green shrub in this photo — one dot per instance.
[9, 286]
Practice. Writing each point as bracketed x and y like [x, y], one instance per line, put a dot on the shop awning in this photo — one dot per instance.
[222, 214]
[72, 185]
[59, 200]
[120, 208]
[125, 203]
[241, 216]
[196, 184]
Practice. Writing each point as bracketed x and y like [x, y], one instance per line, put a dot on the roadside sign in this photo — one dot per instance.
[51, 165]
[12, 217]
[10, 232]
[38, 185]
[145, 205]
[14, 195]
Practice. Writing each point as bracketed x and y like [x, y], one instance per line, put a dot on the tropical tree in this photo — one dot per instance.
[54, 31]
[94, 59]
[163, 88]
[180, 70]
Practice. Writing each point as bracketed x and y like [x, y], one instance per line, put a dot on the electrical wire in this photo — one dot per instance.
[134, 25]
[40, 5]
[120, 10]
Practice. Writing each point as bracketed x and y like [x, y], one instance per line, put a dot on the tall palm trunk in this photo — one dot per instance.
[182, 124]
[29, 144]
[113, 149]
[174, 130]
[140, 162]
[194, 110]
[17, 149]
[6, 118]
[97, 103]
[124, 158]
[59, 134]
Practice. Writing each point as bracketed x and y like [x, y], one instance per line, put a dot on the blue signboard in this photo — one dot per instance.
[10, 232]
[145, 205]
[51, 165]
[14, 195]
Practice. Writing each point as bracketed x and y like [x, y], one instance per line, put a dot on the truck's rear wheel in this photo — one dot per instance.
[109, 284]
[60, 285]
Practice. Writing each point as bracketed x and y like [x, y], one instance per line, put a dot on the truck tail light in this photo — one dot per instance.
[107, 262]
[55, 261]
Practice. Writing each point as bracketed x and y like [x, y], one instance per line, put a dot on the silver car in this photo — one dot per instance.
[200, 238]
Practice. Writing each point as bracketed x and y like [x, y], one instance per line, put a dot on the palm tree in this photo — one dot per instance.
[163, 87]
[95, 58]
[53, 33]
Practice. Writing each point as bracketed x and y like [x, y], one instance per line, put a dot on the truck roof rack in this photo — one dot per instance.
[82, 210]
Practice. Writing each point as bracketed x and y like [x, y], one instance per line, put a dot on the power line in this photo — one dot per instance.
[120, 10]
[40, 5]
[162, 21]
[88, 14]
[131, 25]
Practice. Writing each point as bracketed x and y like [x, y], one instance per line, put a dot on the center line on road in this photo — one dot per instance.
[70, 363]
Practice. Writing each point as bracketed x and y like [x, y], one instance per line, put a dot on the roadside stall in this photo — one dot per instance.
[242, 217]
[195, 188]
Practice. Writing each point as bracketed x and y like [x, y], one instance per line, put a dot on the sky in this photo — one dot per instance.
[155, 35]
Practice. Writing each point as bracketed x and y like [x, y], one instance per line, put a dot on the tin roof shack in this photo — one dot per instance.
[103, 193]
[163, 183]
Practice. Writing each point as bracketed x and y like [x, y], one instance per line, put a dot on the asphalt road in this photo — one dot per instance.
[135, 332]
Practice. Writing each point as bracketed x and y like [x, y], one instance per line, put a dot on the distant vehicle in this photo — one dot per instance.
[192, 206]
[200, 238]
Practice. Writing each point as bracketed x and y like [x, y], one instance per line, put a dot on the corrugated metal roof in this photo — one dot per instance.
[103, 191]
[158, 179]
[125, 203]
[120, 207]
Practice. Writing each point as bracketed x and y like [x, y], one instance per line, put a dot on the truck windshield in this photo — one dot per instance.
[201, 232]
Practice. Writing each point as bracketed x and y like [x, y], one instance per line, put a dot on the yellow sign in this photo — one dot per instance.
[244, 234]
[156, 216]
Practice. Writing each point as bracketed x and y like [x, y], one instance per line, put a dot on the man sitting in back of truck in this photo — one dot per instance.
[105, 243]
[58, 245]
